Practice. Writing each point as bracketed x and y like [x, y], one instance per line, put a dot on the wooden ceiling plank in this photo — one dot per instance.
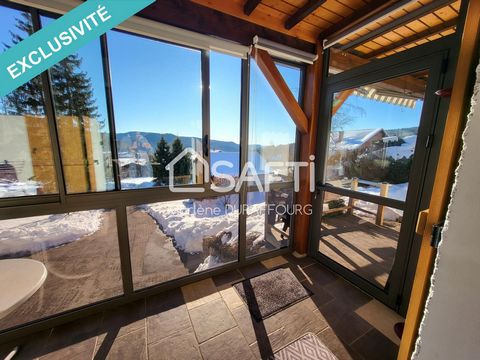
[280, 87]
[400, 21]
[416, 38]
[303, 12]
[250, 6]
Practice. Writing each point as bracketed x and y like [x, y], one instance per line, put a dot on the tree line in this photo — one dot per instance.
[164, 154]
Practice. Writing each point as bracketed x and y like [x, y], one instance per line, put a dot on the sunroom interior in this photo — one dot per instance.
[138, 176]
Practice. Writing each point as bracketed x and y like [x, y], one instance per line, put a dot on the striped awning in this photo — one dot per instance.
[387, 96]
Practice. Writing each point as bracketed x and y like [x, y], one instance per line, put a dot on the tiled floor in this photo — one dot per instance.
[208, 320]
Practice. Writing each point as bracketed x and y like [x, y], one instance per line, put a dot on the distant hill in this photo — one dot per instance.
[147, 142]
[402, 132]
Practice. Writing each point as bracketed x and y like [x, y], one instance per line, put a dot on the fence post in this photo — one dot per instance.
[351, 202]
[381, 209]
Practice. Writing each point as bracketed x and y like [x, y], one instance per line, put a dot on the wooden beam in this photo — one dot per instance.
[308, 143]
[264, 16]
[405, 19]
[188, 15]
[340, 100]
[280, 87]
[349, 61]
[444, 175]
[414, 38]
[303, 12]
[250, 5]
[358, 16]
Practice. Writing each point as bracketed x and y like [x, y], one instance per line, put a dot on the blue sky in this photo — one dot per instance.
[375, 114]
[157, 88]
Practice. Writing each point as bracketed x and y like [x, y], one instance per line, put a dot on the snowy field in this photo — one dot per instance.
[405, 150]
[14, 189]
[20, 237]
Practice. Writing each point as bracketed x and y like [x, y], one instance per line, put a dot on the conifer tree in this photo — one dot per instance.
[162, 158]
[184, 166]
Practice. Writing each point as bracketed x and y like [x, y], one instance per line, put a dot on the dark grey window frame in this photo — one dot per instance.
[118, 200]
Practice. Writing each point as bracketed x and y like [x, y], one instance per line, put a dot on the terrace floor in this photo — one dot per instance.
[360, 245]
[208, 320]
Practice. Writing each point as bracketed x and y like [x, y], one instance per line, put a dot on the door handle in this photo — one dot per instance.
[422, 221]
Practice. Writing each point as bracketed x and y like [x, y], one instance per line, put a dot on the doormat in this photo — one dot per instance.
[308, 347]
[271, 292]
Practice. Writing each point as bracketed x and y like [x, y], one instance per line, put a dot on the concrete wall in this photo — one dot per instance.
[451, 326]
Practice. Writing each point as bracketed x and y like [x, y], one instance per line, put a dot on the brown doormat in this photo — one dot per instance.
[271, 292]
[308, 347]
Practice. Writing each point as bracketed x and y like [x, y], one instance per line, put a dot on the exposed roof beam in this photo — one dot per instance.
[280, 87]
[250, 5]
[414, 38]
[411, 16]
[303, 12]
[359, 15]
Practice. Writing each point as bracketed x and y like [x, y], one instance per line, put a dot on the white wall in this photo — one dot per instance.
[451, 326]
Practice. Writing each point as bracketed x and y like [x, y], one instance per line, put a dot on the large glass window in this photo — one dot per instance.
[157, 98]
[373, 135]
[272, 132]
[73, 257]
[225, 99]
[26, 158]
[172, 239]
[81, 115]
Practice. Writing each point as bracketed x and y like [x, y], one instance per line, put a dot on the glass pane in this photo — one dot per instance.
[158, 114]
[172, 239]
[77, 250]
[292, 76]
[82, 121]
[225, 102]
[26, 158]
[374, 134]
[271, 131]
[269, 217]
[360, 236]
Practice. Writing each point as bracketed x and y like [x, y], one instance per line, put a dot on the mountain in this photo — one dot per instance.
[147, 142]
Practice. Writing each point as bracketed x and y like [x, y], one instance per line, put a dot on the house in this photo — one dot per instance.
[363, 113]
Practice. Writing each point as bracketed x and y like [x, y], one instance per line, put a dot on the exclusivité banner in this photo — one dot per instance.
[63, 37]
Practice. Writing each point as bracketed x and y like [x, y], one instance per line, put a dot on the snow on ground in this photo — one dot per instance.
[14, 189]
[137, 183]
[395, 191]
[20, 237]
[188, 221]
[405, 150]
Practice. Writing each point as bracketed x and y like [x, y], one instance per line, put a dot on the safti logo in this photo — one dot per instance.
[248, 174]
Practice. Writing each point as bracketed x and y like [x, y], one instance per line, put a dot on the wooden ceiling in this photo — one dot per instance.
[314, 20]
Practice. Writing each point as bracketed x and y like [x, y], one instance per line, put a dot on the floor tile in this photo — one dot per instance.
[31, 347]
[211, 319]
[79, 350]
[319, 275]
[253, 270]
[335, 345]
[129, 346]
[124, 319]
[381, 317]
[350, 327]
[229, 345]
[164, 301]
[275, 262]
[200, 293]
[343, 290]
[167, 323]
[224, 281]
[251, 329]
[319, 295]
[375, 346]
[180, 346]
[303, 261]
[231, 298]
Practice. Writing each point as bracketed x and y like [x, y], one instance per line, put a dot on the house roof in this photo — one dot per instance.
[352, 139]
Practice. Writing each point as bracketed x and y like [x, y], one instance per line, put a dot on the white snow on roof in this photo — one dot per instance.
[352, 139]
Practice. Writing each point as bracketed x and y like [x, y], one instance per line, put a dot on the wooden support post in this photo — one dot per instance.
[381, 209]
[443, 177]
[351, 201]
[280, 87]
[307, 148]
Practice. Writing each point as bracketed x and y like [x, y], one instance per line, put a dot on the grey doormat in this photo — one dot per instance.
[308, 347]
[271, 292]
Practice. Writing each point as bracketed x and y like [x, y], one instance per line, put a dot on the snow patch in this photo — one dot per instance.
[19, 237]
